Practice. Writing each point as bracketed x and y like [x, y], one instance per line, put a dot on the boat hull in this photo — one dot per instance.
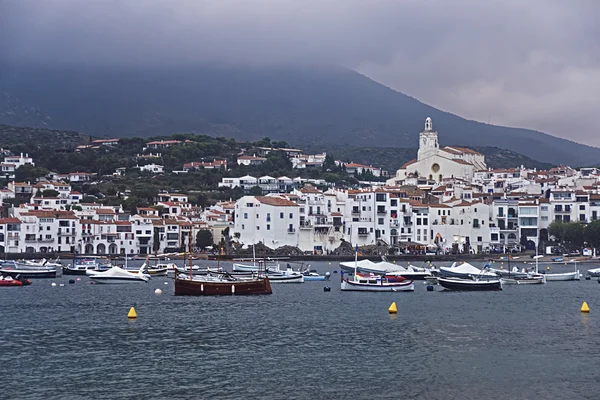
[308, 278]
[469, 285]
[29, 274]
[524, 281]
[348, 285]
[186, 287]
[116, 280]
[286, 278]
[568, 276]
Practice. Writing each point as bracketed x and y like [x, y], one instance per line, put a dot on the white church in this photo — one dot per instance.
[436, 164]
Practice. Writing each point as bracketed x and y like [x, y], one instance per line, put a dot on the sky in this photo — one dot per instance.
[525, 63]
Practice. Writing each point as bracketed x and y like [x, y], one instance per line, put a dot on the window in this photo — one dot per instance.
[281, 215]
[292, 215]
[479, 238]
[425, 221]
[582, 207]
[380, 221]
[418, 221]
[544, 208]
[268, 227]
[257, 228]
[268, 217]
[545, 218]
[243, 227]
[245, 215]
[494, 237]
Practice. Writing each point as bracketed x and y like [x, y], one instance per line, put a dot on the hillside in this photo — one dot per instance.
[391, 158]
[317, 107]
[48, 138]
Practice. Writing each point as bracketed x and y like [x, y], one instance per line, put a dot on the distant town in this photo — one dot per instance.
[444, 201]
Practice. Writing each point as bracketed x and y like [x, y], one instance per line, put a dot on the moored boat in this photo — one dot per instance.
[221, 285]
[532, 279]
[461, 284]
[81, 266]
[466, 271]
[9, 281]
[117, 275]
[10, 269]
[374, 284]
[594, 272]
[565, 276]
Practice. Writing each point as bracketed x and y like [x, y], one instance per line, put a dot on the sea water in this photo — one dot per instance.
[76, 342]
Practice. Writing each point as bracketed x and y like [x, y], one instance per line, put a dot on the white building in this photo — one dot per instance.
[436, 163]
[152, 168]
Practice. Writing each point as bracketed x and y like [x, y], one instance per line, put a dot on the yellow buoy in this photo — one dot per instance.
[393, 309]
[584, 307]
[132, 314]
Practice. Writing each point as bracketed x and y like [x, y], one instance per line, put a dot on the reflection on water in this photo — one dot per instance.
[77, 342]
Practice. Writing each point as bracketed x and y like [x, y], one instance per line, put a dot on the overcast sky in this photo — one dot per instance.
[527, 63]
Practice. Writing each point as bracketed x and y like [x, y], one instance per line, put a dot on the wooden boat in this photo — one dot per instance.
[313, 275]
[117, 275]
[594, 272]
[221, 285]
[384, 267]
[470, 284]
[285, 278]
[9, 281]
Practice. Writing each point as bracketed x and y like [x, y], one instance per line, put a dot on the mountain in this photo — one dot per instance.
[391, 159]
[320, 107]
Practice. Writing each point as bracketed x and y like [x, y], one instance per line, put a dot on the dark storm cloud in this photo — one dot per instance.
[533, 63]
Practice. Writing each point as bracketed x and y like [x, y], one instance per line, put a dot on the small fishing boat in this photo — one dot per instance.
[384, 267]
[117, 275]
[285, 278]
[565, 276]
[9, 281]
[531, 279]
[469, 284]
[371, 282]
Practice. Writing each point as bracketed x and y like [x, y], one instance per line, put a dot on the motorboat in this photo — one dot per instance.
[9, 281]
[462, 284]
[81, 266]
[313, 275]
[466, 271]
[38, 265]
[594, 272]
[10, 268]
[221, 285]
[117, 275]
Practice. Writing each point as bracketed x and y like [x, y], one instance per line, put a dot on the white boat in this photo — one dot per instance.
[372, 282]
[386, 268]
[532, 279]
[465, 271]
[284, 278]
[566, 276]
[594, 272]
[117, 275]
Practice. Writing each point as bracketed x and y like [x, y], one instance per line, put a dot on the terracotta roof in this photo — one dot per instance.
[10, 221]
[460, 150]
[276, 201]
[165, 142]
[51, 214]
[105, 211]
[406, 164]
[336, 214]
[251, 158]
[458, 160]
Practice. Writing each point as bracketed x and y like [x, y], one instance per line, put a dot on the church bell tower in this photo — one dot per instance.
[428, 141]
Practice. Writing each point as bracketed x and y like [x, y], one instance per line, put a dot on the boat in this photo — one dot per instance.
[565, 276]
[285, 278]
[117, 275]
[372, 282]
[313, 275]
[81, 266]
[453, 283]
[531, 279]
[9, 281]
[594, 272]
[384, 268]
[221, 285]
[557, 259]
[465, 271]
[9, 268]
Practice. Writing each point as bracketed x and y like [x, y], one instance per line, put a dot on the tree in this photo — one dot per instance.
[204, 238]
[573, 234]
[523, 240]
[592, 234]
[50, 193]
[557, 230]
[255, 191]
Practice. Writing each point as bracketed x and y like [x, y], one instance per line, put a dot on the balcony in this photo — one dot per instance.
[381, 210]
[291, 230]
[363, 233]
[395, 224]
[355, 211]
[64, 233]
[305, 225]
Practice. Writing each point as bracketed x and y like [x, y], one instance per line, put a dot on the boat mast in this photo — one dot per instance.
[355, 262]
[190, 257]
[536, 260]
